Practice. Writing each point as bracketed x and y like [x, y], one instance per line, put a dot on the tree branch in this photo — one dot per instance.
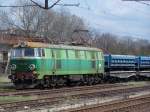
[37, 4]
[54, 4]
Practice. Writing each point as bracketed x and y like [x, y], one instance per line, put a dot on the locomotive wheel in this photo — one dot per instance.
[96, 79]
[53, 81]
[101, 79]
[47, 83]
[84, 81]
[19, 86]
[57, 82]
[40, 84]
[90, 80]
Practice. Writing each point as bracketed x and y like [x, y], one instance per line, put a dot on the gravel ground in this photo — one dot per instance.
[75, 103]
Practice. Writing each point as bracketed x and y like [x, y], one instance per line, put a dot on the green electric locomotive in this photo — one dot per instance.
[45, 65]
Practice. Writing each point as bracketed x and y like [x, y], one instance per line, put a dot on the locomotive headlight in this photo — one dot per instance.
[13, 67]
[32, 67]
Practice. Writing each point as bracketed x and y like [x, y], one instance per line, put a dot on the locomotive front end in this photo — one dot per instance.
[24, 65]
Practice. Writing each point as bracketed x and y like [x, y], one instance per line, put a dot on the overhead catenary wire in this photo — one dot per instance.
[143, 3]
[17, 6]
[77, 5]
[140, 1]
[87, 4]
[107, 13]
[35, 4]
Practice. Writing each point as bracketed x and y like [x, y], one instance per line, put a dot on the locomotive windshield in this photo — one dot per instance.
[16, 53]
[27, 52]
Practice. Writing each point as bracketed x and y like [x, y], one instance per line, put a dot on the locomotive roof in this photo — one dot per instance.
[44, 45]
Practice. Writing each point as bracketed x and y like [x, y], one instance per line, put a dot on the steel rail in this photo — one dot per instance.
[54, 91]
[60, 97]
[127, 105]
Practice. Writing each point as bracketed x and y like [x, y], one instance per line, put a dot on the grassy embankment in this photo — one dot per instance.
[4, 79]
[7, 86]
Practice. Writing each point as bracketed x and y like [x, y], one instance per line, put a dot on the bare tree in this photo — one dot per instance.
[112, 44]
[34, 21]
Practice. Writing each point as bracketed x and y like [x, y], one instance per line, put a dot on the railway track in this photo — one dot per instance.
[137, 104]
[55, 91]
[52, 99]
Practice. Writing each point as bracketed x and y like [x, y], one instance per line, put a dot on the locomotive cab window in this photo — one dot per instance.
[28, 52]
[16, 53]
[40, 52]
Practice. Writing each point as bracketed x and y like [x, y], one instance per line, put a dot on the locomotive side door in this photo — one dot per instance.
[99, 61]
[93, 58]
[53, 62]
[56, 56]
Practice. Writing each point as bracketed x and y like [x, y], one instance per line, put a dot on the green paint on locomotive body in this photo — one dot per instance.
[63, 61]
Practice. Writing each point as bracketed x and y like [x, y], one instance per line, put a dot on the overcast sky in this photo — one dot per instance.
[114, 16]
